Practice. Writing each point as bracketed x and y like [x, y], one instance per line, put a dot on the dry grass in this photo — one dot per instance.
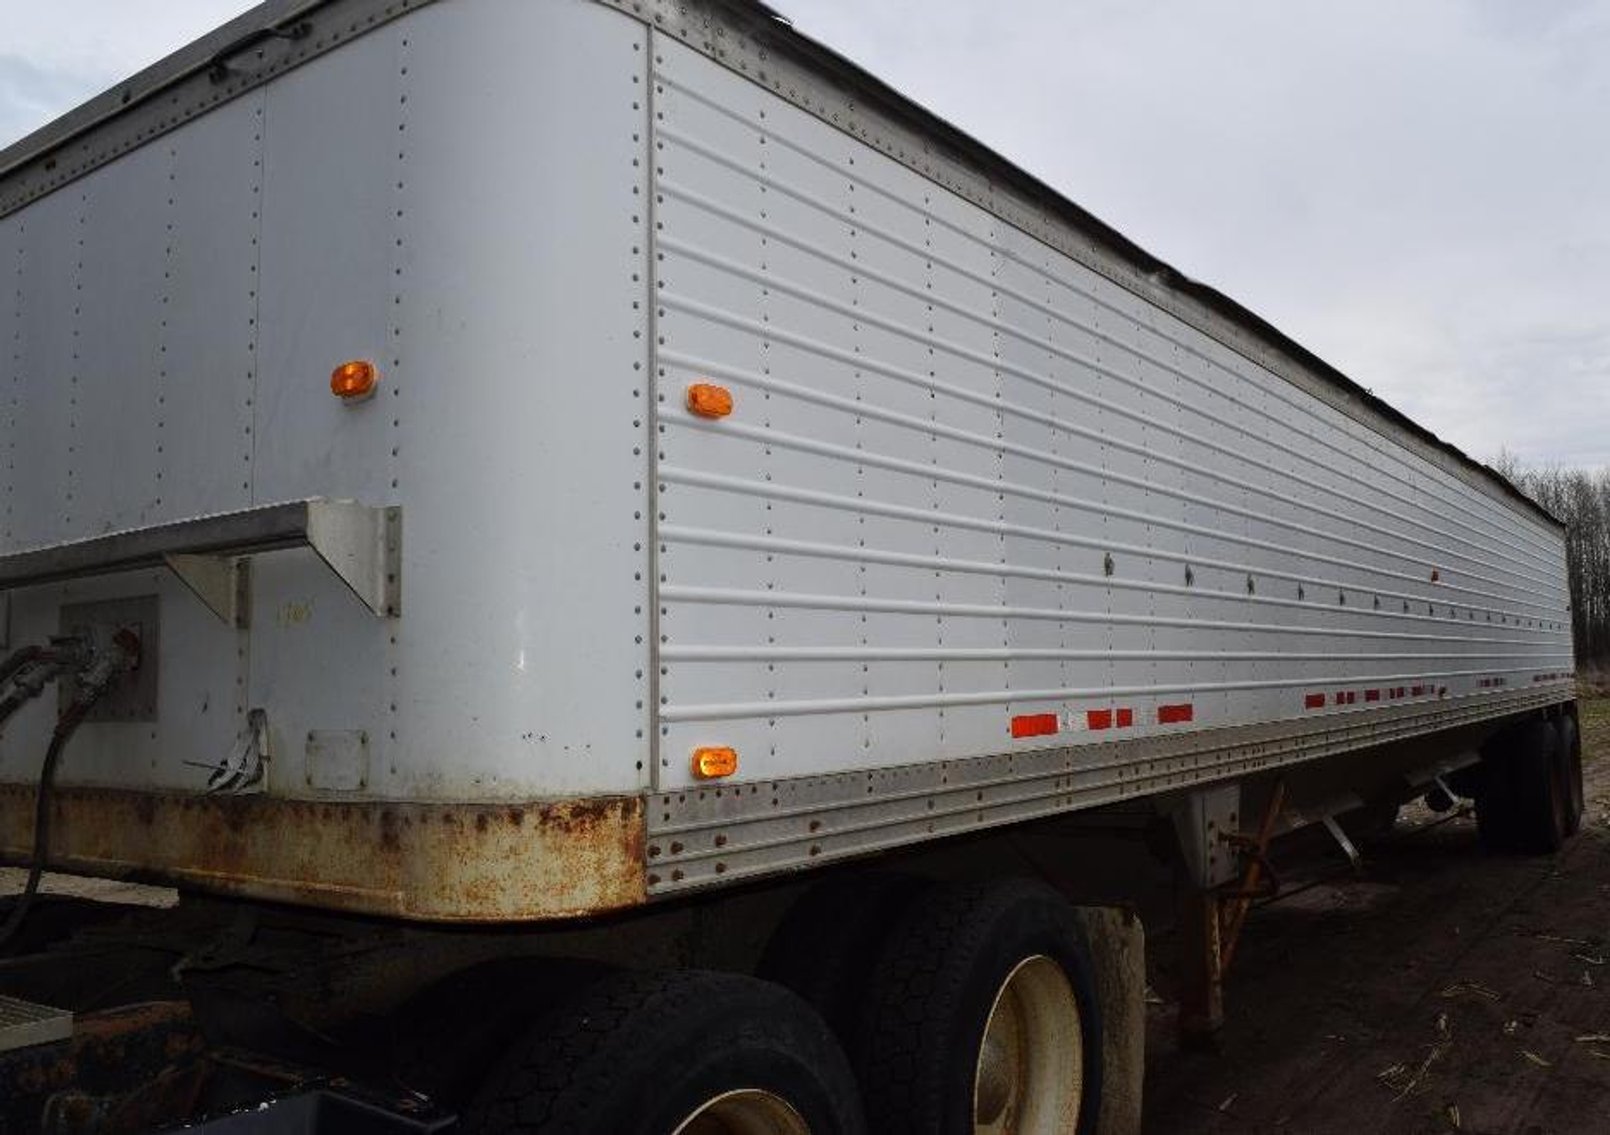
[1593, 712]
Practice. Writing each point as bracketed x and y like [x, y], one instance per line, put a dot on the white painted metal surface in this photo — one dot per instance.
[997, 514]
[170, 323]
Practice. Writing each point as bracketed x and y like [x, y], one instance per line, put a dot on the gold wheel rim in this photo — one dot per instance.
[746, 1111]
[1029, 1077]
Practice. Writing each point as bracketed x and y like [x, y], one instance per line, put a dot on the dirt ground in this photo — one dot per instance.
[1440, 990]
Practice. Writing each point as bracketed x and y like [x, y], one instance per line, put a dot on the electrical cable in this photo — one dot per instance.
[66, 725]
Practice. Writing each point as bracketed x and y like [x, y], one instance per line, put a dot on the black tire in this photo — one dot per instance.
[444, 1038]
[1523, 805]
[1569, 751]
[641, 1053]
[1495, 804]
[933, 991]
[1539, 787]
[824, 947]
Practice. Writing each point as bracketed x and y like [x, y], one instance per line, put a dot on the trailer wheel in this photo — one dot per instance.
[821, 948]
[1524, 803]
[982, 1017]
[682, 1053]
[443, 1039]
[1495, 806]
[1569, 756]
[1537, 779]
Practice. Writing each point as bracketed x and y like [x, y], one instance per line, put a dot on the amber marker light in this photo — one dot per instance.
[708, 400]
[710, 763]
[354, 381]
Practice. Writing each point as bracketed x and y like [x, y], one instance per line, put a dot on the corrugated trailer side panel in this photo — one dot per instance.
[976, 499]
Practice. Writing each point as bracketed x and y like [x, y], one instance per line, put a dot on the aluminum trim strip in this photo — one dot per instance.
[741, 831]
[684, 593]
[679, 534]
[772, 490]
[868, 703]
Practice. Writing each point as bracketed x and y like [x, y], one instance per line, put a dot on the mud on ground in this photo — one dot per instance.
[1441, 990]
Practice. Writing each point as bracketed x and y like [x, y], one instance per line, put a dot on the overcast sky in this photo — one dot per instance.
[1420, 192]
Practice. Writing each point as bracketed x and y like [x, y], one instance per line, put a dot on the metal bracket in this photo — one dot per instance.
[1202, 821]
[242, 769]
[221, 582]
[1342, 841]
[361, 544]
[219, 69]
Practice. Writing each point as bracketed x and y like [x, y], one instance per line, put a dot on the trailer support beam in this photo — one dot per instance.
[1201, 1006]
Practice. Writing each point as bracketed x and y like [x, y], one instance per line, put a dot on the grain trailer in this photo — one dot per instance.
[535, 518]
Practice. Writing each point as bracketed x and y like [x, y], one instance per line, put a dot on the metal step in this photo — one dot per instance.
[24, 1024]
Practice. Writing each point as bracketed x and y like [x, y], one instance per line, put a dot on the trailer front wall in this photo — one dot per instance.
[970, 484]
[457, 195]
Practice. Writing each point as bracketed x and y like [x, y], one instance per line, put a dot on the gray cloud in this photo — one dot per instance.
[31, 95]
[60, 53]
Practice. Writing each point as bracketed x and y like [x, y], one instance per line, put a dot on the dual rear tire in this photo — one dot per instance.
[673, 1053]
[972, 1008]
[1530, 800]
[963, 1009]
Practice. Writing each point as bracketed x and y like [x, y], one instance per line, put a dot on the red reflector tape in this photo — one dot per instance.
[1314, 701]
[1034, 724]
[1099, 718]
[1126, 718]
[1372, 695]
[1174, 714]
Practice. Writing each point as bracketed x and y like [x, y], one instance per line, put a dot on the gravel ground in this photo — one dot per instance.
[12, 880]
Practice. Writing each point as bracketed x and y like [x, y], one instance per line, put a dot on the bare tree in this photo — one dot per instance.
[1581, 500]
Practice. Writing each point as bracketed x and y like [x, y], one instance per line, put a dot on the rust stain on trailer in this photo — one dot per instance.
[430, 862]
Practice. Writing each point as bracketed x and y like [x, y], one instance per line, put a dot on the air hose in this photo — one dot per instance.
[30, 669]
[95, 678]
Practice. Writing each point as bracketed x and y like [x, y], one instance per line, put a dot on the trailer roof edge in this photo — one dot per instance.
[143, 85]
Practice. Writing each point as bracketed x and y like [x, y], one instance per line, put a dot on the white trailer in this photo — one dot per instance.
[558, 458]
